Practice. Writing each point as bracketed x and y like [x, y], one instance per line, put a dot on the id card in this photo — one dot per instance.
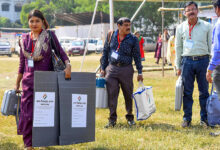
[30, 63]
[189, 44]
[115, 55]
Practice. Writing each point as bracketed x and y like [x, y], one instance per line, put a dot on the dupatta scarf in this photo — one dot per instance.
[41, 44]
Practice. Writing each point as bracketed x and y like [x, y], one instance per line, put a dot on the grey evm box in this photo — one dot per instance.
[77, 108]
[42, 134]
[72, 103]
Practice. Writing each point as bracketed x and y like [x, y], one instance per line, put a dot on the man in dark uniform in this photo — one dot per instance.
[116, 66]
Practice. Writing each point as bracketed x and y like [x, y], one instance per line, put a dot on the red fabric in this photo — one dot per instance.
[190, 30]
[141, 43]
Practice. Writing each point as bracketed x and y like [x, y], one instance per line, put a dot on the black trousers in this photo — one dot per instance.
[117, 77]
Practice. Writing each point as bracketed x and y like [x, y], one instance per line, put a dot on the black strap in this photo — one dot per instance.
[110, 33]
[53, 44]
[212, 89]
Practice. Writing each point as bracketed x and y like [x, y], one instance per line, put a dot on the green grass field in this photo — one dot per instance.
[162, 131]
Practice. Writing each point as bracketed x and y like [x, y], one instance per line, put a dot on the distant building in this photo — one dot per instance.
[11, 9]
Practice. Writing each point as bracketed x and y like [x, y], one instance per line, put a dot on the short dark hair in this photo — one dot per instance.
[216, 3]
[122, 20]
[39, 14]
[191, 3]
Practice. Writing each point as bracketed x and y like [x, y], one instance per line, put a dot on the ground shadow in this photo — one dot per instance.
[101, 148]
[9, 146]
[72, 148]
[195, 129]
[158, 126]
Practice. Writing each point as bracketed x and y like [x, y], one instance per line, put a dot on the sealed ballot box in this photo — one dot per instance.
[64, 110]
[46, 121]
[77, 108]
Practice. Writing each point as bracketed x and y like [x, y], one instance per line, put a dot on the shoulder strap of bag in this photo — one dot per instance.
[212, 88]
[53, 44]
[110, 33]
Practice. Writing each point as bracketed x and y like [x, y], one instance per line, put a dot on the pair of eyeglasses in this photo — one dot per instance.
[126, 25]
[189, 10]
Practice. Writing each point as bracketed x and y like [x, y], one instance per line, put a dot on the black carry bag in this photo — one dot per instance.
[58, 64]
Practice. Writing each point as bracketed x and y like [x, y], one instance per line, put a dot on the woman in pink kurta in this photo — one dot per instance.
[158, 49]
[35, 55]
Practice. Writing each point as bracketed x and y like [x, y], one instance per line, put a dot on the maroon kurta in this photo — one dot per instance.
[158, 48]
[26, 116]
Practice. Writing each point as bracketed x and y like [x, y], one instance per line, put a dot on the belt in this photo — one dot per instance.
[196, 57]
[119, 64]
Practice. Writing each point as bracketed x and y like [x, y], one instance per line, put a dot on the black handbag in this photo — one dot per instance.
[58, 64]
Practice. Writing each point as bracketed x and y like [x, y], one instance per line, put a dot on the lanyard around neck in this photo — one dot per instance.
[119, 42]
[190, 30]
[33, 44]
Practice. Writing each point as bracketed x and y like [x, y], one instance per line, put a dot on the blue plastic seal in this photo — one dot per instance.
[100, 82]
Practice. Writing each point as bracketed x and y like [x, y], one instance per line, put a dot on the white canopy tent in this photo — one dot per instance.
[111, 8]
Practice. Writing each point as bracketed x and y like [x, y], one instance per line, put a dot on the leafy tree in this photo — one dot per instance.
[64, 6]
[89, 5]
[46, 8]
[148, 21]
[5, 22]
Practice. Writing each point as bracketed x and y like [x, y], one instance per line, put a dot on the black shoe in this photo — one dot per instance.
[204, 123]
[131, 123]
[186, 123]
[110, 124]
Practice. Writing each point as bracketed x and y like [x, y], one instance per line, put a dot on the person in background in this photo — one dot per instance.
[141, 44]
[171, 50]
[35, 55]
[158, 49]
[193, 47]
[214, 65]
[165, 38]
[116, 66]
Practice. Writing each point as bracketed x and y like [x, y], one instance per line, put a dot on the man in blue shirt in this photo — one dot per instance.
[214, 66]
[116, 66]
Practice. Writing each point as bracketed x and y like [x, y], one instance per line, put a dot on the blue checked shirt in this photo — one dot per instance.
[215, 61]
[129, 50]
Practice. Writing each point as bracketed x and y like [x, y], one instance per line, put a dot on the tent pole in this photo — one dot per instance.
[137, 11]
[111, 14]
[163, 40]
[111, 20]
[86, 47]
